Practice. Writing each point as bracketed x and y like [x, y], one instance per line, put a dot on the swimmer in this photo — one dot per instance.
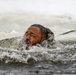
[38, 35]
[35, 35]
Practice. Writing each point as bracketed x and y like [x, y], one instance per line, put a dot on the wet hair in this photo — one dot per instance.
[43, 29]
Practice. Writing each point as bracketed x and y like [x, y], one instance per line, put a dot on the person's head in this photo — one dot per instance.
[36, 33]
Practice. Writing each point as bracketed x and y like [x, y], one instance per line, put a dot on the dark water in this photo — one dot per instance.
[39, 68]
[61, 61]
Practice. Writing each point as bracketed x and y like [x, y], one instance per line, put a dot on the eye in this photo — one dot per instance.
[26, 33]
[33, 35]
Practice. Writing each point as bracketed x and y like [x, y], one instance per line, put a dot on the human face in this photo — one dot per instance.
[33, 35]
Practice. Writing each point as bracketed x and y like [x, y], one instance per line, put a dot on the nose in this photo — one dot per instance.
[27, 38]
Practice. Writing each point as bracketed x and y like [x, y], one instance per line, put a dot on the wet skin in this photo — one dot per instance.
[33, 36]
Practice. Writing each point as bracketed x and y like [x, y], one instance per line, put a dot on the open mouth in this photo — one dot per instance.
[27, 42]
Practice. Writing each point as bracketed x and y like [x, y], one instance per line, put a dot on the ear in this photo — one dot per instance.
[43, 38]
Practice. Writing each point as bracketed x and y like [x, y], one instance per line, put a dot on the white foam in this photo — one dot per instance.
[14, 32]
[4, 35]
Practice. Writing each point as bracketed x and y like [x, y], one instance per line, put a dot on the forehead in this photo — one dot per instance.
[34, 29]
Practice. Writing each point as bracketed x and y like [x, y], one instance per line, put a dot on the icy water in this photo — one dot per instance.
[38, 60]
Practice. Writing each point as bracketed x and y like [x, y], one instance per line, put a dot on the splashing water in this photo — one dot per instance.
[45, 61]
